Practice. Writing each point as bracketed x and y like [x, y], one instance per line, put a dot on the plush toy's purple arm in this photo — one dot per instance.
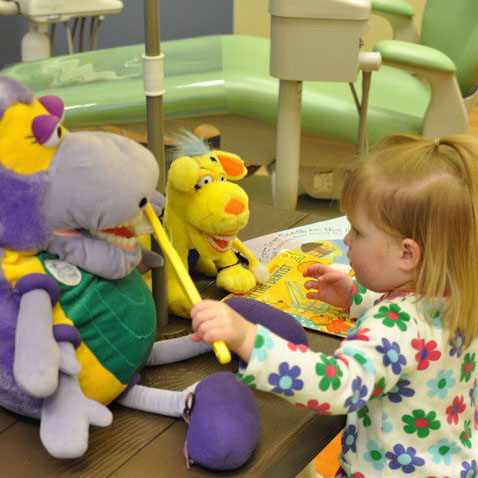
[37, 357]
[46, 369]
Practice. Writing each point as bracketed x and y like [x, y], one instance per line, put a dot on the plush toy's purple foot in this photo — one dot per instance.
[276, 320]
[224, 423]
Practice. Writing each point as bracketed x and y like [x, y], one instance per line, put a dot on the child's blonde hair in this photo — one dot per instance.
[428, 191]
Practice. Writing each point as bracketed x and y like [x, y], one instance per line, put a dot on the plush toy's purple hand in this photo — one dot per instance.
[67, 415]
[149, 260]
[158, 201]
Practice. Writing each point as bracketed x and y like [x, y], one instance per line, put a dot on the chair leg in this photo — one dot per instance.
[288, 144]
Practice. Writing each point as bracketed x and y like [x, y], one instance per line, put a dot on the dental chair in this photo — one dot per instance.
[423, 88]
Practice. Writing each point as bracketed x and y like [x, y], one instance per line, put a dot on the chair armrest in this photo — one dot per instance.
[446, 113]
[408, 54]
[393, 7]
[400, 16]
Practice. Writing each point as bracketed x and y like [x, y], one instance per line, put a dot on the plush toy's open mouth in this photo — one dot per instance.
[123, 236]
[220, 242]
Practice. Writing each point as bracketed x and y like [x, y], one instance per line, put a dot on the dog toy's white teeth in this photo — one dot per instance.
[221, 242]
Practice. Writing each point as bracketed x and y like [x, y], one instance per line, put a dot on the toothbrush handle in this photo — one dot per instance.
[220, 348]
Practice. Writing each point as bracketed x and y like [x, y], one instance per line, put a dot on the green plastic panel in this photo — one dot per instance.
[452, 27]
[414, 55]
[218, 75]
[393, 7]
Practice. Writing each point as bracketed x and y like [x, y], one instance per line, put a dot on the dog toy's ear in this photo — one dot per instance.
[233, 165]
[183, 173]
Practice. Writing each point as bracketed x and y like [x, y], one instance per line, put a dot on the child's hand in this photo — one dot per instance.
[213, 320]
[333, 287]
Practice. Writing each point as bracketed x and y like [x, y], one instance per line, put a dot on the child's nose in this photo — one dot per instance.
[347, 239]
[234, 207]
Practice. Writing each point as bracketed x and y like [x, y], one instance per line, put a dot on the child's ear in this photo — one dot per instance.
[410, 255]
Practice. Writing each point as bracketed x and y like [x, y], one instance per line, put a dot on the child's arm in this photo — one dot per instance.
[373, 358]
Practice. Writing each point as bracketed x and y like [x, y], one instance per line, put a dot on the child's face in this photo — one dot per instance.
[374, 255]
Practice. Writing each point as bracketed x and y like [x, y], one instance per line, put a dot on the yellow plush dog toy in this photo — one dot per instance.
[203, 214]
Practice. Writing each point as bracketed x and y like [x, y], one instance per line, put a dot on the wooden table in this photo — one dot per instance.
[138, 444]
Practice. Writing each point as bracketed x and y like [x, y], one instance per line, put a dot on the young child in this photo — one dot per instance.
[406, 376]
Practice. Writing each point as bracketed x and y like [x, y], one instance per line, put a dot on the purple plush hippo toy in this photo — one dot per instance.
[77, 321]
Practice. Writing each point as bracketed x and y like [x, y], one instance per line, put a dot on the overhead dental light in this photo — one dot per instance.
[42, 13]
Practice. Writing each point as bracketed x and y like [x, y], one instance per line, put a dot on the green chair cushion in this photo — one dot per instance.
[226, 74]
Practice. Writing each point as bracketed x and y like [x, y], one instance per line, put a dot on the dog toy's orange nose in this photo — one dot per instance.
[234, 207]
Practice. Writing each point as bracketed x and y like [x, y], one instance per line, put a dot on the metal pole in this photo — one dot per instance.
[154, 120]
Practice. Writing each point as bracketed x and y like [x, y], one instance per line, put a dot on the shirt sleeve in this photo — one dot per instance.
[362, 300]
[368, 363]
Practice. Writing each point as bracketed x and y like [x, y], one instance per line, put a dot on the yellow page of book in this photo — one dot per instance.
[285, 290]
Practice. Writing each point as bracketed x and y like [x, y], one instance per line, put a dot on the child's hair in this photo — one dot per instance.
[428, 191]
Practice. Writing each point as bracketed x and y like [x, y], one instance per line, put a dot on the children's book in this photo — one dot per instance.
[285, 288]
[265, 248]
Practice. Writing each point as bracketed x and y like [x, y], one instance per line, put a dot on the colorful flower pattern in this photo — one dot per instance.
[421, 423]
[408, 389]
[426, 352]
[440, 385]
[286, 381]
[393, 316]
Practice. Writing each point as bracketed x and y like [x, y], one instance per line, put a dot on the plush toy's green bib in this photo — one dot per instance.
[116, 318]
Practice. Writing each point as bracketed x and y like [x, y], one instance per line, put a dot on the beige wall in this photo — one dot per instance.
[252, 18]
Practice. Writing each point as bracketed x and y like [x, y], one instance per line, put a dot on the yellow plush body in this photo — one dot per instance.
[204, 212]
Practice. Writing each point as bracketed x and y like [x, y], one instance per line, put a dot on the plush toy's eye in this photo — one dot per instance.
[47, 130]
[204, 181]
[212, 158]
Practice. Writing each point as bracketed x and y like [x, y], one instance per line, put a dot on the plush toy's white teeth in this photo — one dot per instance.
[127, 243]
[219, 242]
[125, 234]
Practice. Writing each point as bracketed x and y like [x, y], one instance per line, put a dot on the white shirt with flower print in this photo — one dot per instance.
[407, 387]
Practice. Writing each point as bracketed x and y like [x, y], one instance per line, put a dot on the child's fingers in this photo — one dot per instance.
[312, 284]
[332, 276]
[204, 316]
[212, 330]
[195, 337]
[315, 269]
[204, 304]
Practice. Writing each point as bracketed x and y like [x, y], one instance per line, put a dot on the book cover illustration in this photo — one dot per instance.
[265, 248]
[285, 288]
